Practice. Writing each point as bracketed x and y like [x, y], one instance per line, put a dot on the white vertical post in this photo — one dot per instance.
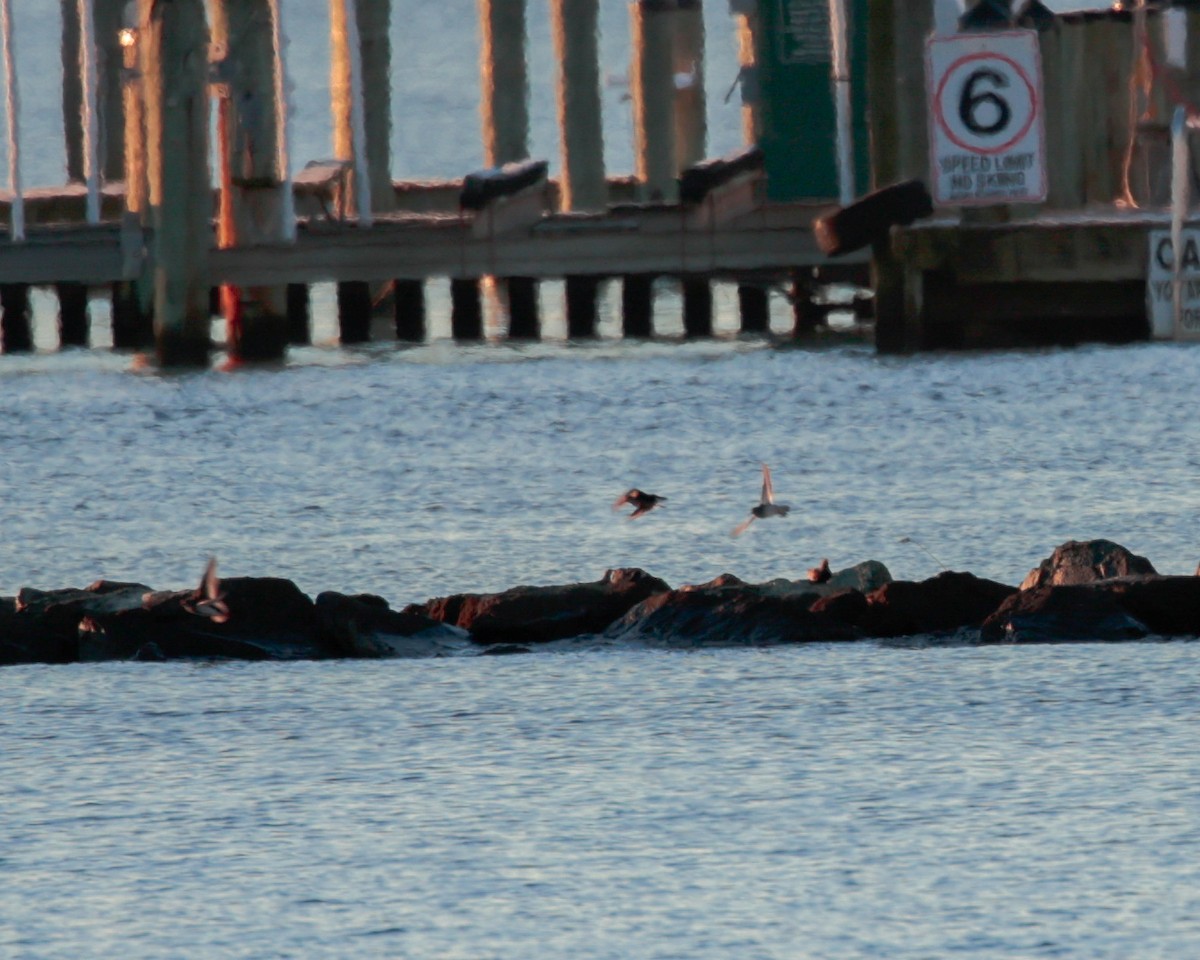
[91, 117]
[17, 207]
[358, 125]
[1180, 199]
[839, 35]
[283, 119]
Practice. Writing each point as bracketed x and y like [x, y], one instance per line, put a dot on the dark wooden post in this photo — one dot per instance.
[637, 305]
[16, 331]
[354, 311]
[581, 307]
[754, 307]
[299, 314]
[174, 42]
[72, 314]
[805, 313]
[409, 301]
[466, 309]
[523, 320]
[697, 307]
[72, 90]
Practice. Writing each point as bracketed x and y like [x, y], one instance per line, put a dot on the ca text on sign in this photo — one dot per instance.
[987, 143]
[1160, 286]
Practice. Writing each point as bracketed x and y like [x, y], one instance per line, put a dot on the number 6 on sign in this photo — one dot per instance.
[985, 118]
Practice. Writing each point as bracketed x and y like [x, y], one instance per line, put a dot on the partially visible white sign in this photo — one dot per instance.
[1160, 286]
[987, 144]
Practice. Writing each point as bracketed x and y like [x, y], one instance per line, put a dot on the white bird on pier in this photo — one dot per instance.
[766, 508]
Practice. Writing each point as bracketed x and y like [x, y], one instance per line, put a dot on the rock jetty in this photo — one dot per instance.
[1085, 591]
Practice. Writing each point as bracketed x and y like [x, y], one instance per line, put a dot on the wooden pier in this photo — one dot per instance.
[795, 207]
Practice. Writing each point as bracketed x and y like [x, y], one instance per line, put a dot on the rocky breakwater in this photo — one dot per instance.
[1093, 590]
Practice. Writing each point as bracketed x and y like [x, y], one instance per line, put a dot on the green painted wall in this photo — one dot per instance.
[799, 121]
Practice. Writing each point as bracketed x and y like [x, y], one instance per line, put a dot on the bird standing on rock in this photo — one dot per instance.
[643, 502]
[766, 508]
[207, 600]
[820, 574]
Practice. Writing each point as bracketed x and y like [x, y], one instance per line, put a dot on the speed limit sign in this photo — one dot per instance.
[986, 118]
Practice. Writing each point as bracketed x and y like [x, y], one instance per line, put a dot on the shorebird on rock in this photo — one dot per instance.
[643, 502]
[820, 574]
[207, 600]
[766, 508]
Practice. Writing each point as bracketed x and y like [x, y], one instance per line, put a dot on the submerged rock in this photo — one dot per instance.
[365, 626]
[541, 614]
[1086, 561]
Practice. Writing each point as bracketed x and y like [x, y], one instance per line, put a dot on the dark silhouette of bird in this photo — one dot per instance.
[643, 502]
[766, 508]
[820, 574]
[207, 600]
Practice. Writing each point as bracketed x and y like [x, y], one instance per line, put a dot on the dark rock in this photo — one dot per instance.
[1077, 612]
[1169, 606]
[45, 625]
[541, 614]
[365, 626]
[864, 577]
[1086, 561]
[943, 603]
[726, 614]
[847, 606]
[269, 619]
[25, 638]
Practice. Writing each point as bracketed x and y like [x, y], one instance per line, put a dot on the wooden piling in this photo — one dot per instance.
[250, 210]
[354, 310]
[504, 105]
[576, 38]
[174, 42]
[72, 90]
[754, 308]
[652, 87]
[581, 294]
[805, 314]
[637, 305]
[409, 302]
[748, 26]
[16, 329]
[690, 107]
[299, 314]
[466, 309]
[108, 17]
[697, 307]
[73, 323]
[524, 322]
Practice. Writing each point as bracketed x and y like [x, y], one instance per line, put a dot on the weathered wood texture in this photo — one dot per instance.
[576, 39]
[174, 40]
[504, 105]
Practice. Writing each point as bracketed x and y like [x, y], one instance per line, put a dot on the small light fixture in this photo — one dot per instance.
[127, 36]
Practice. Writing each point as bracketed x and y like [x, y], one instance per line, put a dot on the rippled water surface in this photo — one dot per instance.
[846, 801]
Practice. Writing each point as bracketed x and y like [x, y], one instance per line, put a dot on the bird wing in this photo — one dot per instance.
[210, 585]
[621, 501]
[768, 494]
[741, 527]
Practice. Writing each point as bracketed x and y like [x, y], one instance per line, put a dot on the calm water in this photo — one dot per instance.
[826, 801]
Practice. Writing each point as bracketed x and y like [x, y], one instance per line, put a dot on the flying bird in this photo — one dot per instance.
[820, 574]
[643, 502]
[207, 600]
[767, 508]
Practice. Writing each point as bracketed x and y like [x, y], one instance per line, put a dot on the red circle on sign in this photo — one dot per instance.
[1029, 87]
